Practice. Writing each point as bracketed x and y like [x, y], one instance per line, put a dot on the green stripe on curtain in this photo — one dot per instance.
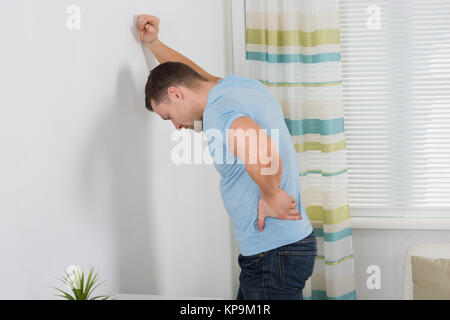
[334, 263]
[322, 295]
[328, 216]
[300, 84]
[315, 126]
[294, 58]
[278, 38]
[343, 259]
[333, 236]
[317, 146]
[324, 174]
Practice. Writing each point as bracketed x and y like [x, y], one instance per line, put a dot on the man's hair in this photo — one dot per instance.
[166, 75]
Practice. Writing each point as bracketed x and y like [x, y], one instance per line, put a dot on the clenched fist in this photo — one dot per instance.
[148, 27]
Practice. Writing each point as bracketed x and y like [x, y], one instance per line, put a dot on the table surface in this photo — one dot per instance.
[129, 296]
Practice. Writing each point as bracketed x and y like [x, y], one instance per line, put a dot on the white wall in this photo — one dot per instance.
[85, 170]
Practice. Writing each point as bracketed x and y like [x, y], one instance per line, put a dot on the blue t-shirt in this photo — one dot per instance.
[231, 98]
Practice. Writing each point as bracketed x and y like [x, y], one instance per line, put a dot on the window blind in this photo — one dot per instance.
[396, 90]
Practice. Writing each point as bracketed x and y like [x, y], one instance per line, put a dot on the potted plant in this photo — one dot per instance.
[82, 287]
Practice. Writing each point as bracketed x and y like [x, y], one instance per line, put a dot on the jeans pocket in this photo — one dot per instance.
[296, 266]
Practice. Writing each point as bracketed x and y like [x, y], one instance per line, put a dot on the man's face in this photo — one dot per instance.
[179, 108]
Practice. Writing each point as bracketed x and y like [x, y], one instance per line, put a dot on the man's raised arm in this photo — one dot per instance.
[148, 27]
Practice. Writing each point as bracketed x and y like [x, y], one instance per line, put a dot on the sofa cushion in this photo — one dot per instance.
[431, 278]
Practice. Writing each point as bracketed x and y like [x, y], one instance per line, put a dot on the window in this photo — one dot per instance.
[396, 72]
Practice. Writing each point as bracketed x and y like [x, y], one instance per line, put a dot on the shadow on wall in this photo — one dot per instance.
[120, 147]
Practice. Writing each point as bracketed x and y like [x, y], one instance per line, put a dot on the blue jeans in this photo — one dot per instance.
[278, 274]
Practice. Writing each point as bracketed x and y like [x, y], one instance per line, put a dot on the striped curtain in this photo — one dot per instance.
[293, 47]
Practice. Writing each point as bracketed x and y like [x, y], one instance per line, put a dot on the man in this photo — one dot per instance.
[277, 243]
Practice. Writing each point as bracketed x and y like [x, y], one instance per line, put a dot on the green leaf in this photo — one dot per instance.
[90, 287]
[77, 279]
[105, 297]
[82, 285]
[62, 281]
[89, 283]
[69, 281]
[94, 280]
[66, 295]
[97, 286]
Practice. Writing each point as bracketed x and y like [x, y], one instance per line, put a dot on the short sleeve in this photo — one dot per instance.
[222, 124]
[227, 119]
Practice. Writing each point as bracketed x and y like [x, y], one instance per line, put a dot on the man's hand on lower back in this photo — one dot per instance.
[278, 205]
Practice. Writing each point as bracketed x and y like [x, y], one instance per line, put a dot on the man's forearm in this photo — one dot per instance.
[266, 171]
[164, 53]
[260, 155]
[265, 176]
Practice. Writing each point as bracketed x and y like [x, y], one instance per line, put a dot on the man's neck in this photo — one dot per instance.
[205, 88]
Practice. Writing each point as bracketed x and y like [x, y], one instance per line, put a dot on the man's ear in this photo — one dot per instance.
[175, 93]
